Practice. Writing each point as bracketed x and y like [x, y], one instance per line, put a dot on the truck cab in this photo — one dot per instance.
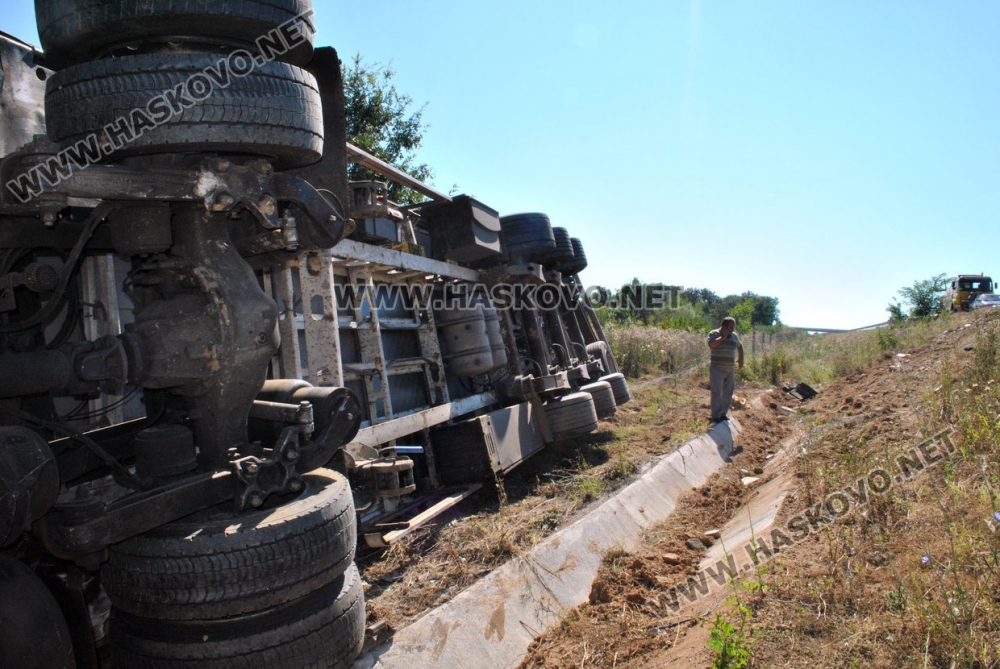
[965, 288]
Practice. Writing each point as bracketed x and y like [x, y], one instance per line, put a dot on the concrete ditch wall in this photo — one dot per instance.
[491, 624]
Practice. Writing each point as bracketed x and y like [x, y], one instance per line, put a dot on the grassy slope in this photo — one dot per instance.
[910, 580]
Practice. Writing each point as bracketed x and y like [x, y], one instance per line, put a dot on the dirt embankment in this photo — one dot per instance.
[905, 575]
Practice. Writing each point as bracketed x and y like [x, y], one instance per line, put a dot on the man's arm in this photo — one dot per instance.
[715, 339]
[740, 360]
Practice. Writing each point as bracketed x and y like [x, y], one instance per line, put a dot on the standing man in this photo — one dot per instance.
[727, 353]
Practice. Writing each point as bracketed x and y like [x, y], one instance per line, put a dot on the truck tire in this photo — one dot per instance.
[77, 31]
[571, 415]
[218, 562]
[619, 387]
[579, 261]
[274, 111]
[604, 398]
[527, 237]
[33, 632]
[563, 251]
[323, 629]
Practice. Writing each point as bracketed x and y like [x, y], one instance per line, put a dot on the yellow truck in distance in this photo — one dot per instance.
[964, 288]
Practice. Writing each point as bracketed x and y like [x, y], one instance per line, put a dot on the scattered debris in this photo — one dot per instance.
[747, 480]
[695, 544]
[801, 392]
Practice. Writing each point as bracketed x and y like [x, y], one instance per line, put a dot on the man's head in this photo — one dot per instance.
[728, 324]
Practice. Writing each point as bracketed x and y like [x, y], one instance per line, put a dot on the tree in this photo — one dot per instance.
[743, 312]
[379, 121]
[703, 295]
[896, 314]
[924, 297]
[765, 309]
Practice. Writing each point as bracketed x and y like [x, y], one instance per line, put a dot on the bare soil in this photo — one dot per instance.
[824, 602]
[508, 517]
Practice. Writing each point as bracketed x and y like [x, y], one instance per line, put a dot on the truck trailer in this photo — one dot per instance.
[224, 364]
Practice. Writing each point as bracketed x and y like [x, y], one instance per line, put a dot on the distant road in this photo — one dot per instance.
[825, 330]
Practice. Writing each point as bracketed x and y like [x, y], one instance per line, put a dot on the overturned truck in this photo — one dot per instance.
[223, 364]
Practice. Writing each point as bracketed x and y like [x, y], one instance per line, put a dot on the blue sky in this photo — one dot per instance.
[826, 153]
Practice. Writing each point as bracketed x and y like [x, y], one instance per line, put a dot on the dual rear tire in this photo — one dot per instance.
[324, 629]
[604, 398]
[165, 103]
[275, 587]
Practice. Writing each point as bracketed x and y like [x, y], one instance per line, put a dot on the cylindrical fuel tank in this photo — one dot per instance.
[468, 351]
[495, 335]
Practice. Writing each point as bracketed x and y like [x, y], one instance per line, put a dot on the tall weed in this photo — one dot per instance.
[643, 350]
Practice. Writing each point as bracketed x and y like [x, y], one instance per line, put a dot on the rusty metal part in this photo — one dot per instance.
[370, 199]
[89, 517]
[389, 477]
[293, 455]
[205, 330]
[218, 184]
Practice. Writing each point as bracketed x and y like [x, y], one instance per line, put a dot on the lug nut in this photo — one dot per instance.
[295, 486]
[256, 501]
[251, 468]
[291, 455]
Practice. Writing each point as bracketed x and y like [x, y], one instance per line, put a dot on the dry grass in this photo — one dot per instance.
[641, 350]
[509, 517]
[913, 580]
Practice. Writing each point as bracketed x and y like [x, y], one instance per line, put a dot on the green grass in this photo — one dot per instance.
[776, 357]
[934, 599]
[822, 358]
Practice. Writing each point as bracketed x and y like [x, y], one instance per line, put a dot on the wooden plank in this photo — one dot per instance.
[379, 540]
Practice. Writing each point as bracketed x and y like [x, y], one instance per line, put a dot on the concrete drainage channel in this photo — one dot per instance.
[491, 624]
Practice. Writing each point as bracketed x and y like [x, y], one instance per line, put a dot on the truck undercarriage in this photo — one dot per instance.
[224, 364]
